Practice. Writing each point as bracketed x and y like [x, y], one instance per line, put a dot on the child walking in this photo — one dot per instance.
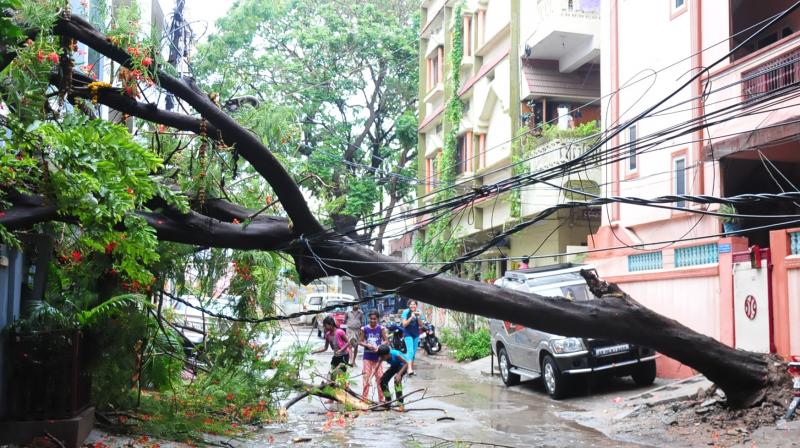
[337, 340]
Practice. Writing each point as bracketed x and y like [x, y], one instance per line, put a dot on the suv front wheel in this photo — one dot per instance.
[504, 363]
[645, 373]
[554, 382]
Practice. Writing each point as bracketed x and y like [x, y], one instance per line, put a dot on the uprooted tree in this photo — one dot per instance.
[158, 204]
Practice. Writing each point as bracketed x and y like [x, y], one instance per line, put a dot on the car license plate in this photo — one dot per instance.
[611, 350]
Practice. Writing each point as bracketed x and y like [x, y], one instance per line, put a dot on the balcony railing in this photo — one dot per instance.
[771, 76]
[582, 9]
[557, 151]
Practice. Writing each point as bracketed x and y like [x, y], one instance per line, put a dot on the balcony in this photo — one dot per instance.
[553, 152]
[764, 82]
[772, 77]
[567, 31]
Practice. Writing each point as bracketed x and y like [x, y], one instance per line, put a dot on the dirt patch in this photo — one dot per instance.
[704, 418]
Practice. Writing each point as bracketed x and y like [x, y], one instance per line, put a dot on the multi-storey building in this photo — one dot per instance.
[648, 50]
[524, 63]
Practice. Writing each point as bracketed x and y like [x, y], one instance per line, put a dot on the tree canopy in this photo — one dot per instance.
[343, 77]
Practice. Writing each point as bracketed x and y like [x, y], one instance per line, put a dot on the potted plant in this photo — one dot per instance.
[730, 224]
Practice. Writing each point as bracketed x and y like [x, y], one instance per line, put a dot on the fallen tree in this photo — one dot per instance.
[319, 252]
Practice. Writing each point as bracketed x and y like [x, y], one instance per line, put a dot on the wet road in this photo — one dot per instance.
[483, 411]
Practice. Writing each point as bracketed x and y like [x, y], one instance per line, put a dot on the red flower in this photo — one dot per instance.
[147, 61]
[2, 214]
[40, 56]
[28, 43]
[76, 256]
[130, 190]
[234, 425]
[53, 57]
[133, 50]
[110, 247]
[229, 397]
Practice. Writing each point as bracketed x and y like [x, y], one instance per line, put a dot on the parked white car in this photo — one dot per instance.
[316, 301]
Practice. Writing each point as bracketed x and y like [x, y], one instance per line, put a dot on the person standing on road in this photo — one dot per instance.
[397, 369]
[372, 336]
[412, 324]
[353, 320]
[337, 340]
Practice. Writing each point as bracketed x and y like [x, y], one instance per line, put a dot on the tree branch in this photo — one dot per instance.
[248, 145]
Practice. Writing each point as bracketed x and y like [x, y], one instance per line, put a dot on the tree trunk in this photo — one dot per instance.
[742, 375]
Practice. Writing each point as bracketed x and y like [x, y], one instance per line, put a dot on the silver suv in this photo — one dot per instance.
[529, 353]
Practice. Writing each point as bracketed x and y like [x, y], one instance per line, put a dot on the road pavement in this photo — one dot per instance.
[477, 410]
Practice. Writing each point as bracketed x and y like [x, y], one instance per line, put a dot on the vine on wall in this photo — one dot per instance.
[439, 242]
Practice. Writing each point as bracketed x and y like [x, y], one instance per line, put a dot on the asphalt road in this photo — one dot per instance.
[481, 411]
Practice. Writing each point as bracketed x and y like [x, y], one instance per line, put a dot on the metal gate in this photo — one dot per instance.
[752, 300]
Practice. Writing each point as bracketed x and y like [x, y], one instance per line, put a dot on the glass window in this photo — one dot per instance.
[632, 148]
[680, 179]
[315, 300]
[679, 3]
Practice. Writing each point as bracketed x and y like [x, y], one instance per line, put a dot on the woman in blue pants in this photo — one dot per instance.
[412, 323]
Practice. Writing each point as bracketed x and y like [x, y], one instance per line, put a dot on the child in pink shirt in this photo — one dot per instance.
[336, 338]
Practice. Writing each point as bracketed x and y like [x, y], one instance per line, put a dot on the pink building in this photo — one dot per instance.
[649, 48]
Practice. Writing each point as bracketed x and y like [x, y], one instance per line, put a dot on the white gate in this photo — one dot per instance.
[752, 303]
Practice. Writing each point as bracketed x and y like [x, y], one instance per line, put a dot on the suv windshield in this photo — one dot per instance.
[315, 300]
[552, 279]
[577, 292]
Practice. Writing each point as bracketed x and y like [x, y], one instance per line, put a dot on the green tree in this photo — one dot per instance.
[346, 73]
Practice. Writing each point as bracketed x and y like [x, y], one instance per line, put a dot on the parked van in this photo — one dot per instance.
[316, 301]
[527, 353]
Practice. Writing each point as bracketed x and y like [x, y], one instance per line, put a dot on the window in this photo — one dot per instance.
[679, 178]
[482, 151]
[435, 68]
[677, 8]
[465, 153]
[431, 171]
[467, 35]
[461, 157]
[632, 148]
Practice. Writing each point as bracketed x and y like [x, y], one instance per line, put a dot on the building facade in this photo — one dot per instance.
[523, 64]
[688, 270]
